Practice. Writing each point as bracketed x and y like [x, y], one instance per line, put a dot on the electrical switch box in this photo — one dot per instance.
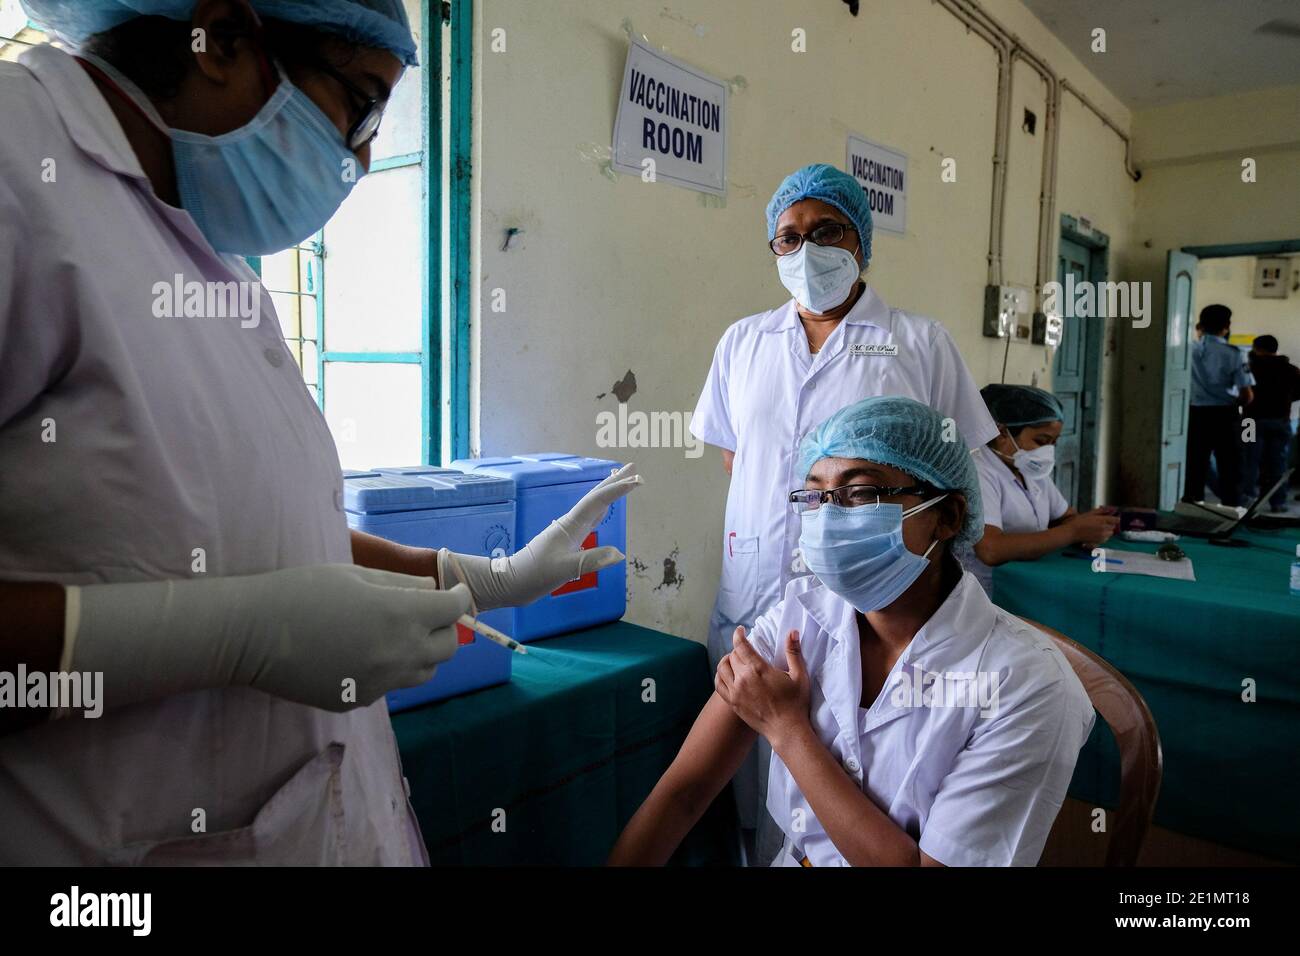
[1272, 276]
[1008, 312]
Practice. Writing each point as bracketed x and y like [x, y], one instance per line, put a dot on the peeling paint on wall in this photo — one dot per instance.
[600, 157]
[623, 389]
[672, 578]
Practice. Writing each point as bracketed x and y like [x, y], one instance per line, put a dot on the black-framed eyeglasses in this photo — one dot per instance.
[827, 234]
[849, 496]
[372, 110]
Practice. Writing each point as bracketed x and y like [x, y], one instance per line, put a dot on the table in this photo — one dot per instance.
[1231, 768]
[568, 750]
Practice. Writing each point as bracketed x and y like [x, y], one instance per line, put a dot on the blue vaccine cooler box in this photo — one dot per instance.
[547, 485]
[442, 508]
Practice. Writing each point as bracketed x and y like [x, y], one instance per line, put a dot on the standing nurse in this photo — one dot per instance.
[239, 716]
[777, 374]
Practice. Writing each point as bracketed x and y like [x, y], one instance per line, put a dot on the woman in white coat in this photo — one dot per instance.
[912, 723]
[1025, 516]
[776, 374]
[239, 716]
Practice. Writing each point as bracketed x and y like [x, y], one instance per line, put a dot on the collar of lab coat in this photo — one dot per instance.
[966, 617]
[870, 309]
[85, 113]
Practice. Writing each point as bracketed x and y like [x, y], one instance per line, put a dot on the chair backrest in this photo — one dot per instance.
[1130, 720]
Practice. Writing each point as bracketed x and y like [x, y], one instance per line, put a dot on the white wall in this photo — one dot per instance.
[1230, 281]
[609, 276]
[1192, 194]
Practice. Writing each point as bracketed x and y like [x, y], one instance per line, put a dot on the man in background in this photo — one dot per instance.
[1220, 383]
[1277, 385]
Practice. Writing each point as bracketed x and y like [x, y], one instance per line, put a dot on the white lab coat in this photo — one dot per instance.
[173, 434]
[764, 392]
[974, 785]
[1011, 506]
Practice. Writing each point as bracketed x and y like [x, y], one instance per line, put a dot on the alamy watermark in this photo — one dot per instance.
[918, 687]
[638, 429]
[1101, 300]
[179, 299]
[56, 690]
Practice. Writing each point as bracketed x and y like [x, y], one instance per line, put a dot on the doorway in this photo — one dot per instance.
[1195, 277]
[1076, 368]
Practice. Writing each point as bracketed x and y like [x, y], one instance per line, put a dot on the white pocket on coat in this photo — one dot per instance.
[738, 589]
[301, 825]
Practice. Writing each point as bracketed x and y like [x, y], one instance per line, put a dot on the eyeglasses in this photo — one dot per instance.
[366, 127]
[372, 110]
[849, 496]
[826, 234]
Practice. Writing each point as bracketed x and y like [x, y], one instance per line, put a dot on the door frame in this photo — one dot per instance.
[1230, 250]
[1098, 245]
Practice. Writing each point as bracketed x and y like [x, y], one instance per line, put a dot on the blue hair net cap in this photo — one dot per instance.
[830, 185]
[904, 434]
[1019, 405]
[377, 23]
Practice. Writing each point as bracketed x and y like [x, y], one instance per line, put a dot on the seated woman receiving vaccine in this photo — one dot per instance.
[911, 721]
[1025, 516]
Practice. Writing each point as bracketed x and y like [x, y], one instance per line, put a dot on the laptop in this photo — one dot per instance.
[1214, 524]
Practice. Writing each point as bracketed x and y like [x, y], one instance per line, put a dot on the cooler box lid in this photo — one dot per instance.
[353, 473]
[388, 493]
[412, 470]
[536, 469]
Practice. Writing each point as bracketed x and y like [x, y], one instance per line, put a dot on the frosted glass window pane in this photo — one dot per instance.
[307, 314]
[286, 307]
[373, 411]
[401, 132]
[278, 271]
[374, 257]
[309, 362]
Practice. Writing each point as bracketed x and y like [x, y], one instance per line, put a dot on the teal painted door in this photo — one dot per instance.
[1068, 379]
[1180, 286]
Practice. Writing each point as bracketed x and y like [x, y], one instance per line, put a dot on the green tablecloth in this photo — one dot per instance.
[568, 749]
[1232, 769]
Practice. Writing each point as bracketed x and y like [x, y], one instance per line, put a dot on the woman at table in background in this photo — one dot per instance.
[1025, 516]
[911, 721]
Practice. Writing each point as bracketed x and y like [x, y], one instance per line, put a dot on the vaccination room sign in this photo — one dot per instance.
[882, 172]
[674, 115]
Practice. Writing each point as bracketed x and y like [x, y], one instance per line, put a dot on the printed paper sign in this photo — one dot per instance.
[676, 116]
[882, 173]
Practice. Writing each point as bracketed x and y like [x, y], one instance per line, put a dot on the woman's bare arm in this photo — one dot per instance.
[371, 551]
[711, 755]
[999, 547]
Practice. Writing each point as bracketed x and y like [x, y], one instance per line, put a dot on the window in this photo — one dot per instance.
[16, 33]
[370, 307]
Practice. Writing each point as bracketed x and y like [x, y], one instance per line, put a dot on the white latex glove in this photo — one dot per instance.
[298, 633]
[550, 560]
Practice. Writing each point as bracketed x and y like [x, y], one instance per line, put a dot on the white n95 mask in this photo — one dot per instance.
[819, 277]
[1034, 464]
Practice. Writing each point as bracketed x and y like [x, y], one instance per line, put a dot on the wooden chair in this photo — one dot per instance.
[1141, 762]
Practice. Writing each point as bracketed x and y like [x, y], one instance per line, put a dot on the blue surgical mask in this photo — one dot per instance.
[263, 187]
[859, 553]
